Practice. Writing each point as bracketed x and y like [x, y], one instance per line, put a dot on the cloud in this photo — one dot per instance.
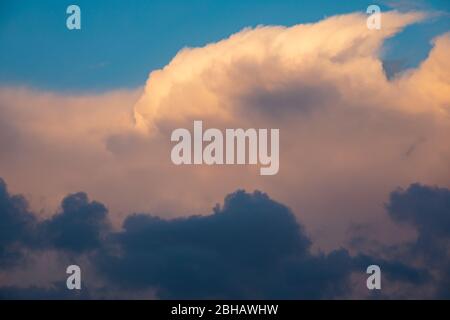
[59, 139]
[428, 210]
[250, 247]
[16, 222]
[80, 226]
[348, 135]
[206, 82]
[57, 292]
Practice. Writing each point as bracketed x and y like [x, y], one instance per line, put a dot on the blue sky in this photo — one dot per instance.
[122, 41]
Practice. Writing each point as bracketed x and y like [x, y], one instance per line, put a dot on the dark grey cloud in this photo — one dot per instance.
[296, 96]
[16, 225]
[80, 226]
[251, 247]
[393, 67]
[395, 270]
[57, 291]
[427, 209]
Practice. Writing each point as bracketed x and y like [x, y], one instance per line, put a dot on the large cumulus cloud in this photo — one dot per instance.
[348, 134]
[281, 70]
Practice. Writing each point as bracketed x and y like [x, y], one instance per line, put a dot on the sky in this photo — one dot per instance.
[86, 176]
[38, 50]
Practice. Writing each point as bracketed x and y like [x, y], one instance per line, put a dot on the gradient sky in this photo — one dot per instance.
[86, 177]
[122, 41]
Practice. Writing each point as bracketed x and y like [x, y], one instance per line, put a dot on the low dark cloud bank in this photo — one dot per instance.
[16, 224]
[428, 210]
[251, 247]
